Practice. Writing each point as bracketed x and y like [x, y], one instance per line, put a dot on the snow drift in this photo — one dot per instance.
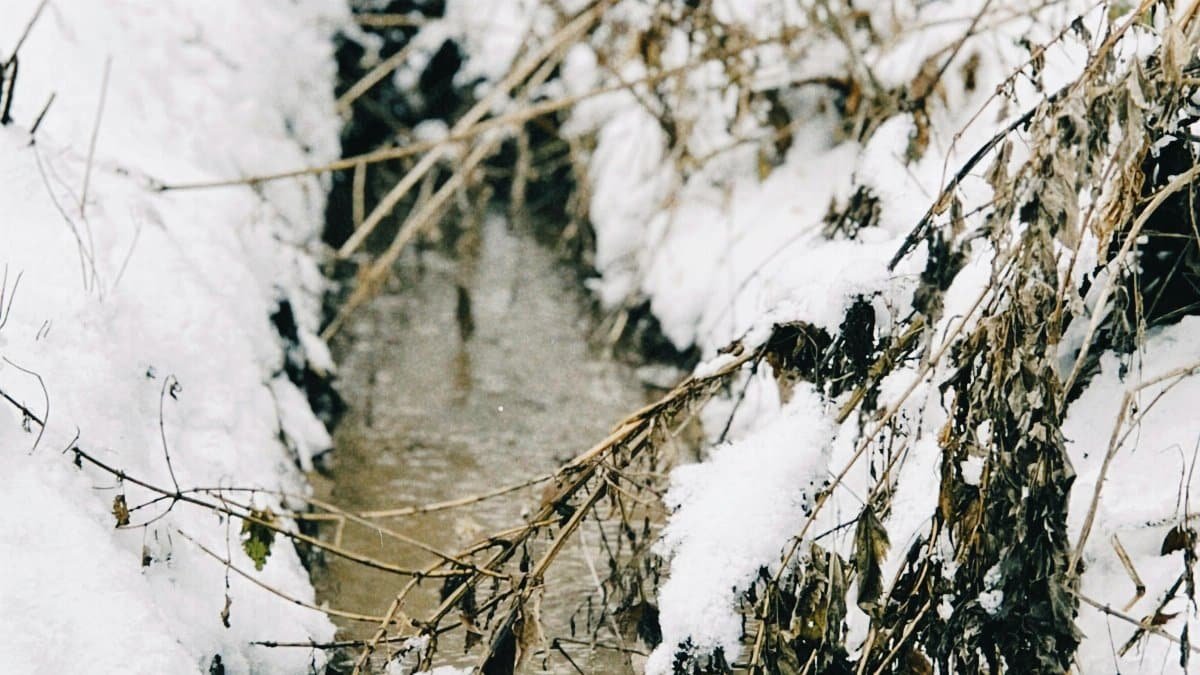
[136, 320]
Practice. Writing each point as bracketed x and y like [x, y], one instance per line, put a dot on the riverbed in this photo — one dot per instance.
[473, 370]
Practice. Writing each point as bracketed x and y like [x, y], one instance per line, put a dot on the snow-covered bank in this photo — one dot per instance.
[770, 162]
[114, 292]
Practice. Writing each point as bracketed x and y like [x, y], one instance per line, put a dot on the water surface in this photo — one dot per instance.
[471, 372]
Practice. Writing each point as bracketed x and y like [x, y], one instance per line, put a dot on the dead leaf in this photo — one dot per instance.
[225, 611]
[474, 635]
[1180, 538]
[120, 510]
[917, 663]
[502, 659]
[1161, 618]
[870, 548]
[528, 629]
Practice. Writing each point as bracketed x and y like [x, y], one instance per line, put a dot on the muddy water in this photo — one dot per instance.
[471, 372]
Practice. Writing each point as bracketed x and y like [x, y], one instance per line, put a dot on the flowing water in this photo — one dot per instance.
[473, 371]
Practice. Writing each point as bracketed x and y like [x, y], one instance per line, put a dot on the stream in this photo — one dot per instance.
[471, 371]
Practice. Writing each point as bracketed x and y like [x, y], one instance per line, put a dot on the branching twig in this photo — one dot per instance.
[1117, 440]
[85, 256]
[40, 421]
[631, 435]
[1141, 625]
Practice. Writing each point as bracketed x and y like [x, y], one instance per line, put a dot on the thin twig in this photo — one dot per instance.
[87, 172]
[498, 123]
[471, 118]
[416, 223]
[45, 418]
[1115, 442]
[37, 12]
[573, 476]
[336, 644]
[358, 195]
[183, 497]
[8, 76]
[85, 257]
[1142, 625]
[1178, 183]
[171, 384]
[457, 560]
[41, 115]
[1127, 563]
[454, 503]
[12, 296]
[380, 20]
[22, 408]
[373, 77]
[353, 616]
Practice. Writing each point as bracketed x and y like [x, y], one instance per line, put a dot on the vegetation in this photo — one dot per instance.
[1088, 238]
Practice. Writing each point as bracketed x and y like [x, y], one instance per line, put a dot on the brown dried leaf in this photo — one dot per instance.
[528, 629]
[120, 510]
[1161, 618]
[927, 80]
[997, 173]
[870, 548]
[640, 620]
[917, 663]
[225, 611]
[473, 633]
[918, 140]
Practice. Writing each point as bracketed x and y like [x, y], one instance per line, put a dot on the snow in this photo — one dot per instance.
[723, 247]
[770, 476]
[1147, 490]
[134, 289]
[992, 599]
[723, 252]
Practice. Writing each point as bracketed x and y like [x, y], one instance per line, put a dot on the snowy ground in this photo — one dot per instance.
[124, 291]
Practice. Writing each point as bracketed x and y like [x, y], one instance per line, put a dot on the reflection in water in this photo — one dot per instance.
[461, 373]
[475, 374]
[462, 313]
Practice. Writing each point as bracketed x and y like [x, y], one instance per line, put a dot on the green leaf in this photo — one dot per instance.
[257, 536]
